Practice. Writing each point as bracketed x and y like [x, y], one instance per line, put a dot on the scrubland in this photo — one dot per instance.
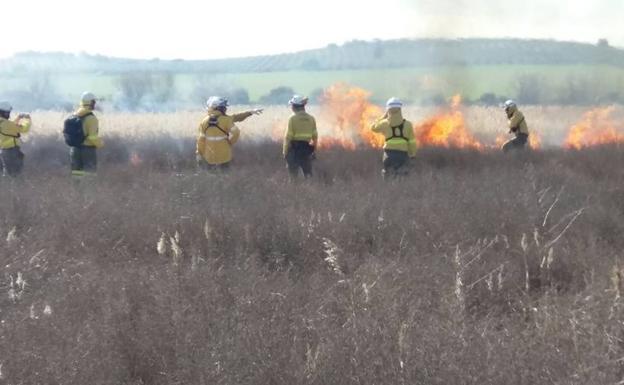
[477, 268]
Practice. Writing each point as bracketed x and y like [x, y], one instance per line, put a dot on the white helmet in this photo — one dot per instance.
[6, 106]
[298, 101]
[217, 102]
[88, 98]
[394, 103]
[509, 104]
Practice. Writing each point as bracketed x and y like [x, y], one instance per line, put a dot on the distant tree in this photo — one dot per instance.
[163, 87]
[133, 87]
[529, 89]
[145, 90]
[489, 99]
[603, 43]
[279, 95]
[238, 96]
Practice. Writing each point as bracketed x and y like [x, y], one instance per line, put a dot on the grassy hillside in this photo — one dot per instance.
[420, 71]
[352, 55]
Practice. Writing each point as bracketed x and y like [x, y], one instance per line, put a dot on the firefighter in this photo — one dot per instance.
[83, 155]
[517, 126]
[300, 139]
[400, 141]
[11, 155]
[217, 134]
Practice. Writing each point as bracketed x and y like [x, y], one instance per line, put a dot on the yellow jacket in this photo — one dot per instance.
[11, 130]
[407, 143]
[517, 123]
[301, 127]
[90, 126]
[214, 143]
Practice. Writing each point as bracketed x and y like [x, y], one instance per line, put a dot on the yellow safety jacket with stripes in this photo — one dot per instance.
[399, 133]
[217, 134]
[301, 127]
[90, 126]
[10, 132]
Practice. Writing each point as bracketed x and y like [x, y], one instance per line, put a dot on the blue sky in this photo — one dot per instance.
[233, 28]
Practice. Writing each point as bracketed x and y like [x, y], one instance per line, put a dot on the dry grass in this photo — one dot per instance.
[477, 269]
[550, 122]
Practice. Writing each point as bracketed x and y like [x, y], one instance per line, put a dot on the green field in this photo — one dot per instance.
[413, 84]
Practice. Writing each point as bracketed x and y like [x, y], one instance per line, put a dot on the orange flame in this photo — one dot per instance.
[447, 129]
[596, 128]
[352, 113]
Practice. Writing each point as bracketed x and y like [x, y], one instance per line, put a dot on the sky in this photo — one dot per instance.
[208, 29]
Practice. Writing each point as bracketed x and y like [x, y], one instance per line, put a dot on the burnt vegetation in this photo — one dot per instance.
[476, 269]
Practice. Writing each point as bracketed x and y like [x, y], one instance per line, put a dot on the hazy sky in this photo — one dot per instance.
[231, 28]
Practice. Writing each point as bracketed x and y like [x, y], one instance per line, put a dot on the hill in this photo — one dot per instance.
[350, 56]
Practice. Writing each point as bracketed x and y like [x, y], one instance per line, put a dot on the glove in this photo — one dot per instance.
[257, 111]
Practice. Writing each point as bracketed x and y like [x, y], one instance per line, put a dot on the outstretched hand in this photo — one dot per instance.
[257, 111]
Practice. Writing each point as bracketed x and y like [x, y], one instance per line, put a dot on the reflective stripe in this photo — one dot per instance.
[215, 138]
[80, 174]
[397, 141]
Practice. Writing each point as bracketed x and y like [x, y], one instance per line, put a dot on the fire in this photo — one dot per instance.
[596, 128]
[447, 129]
[352, 112]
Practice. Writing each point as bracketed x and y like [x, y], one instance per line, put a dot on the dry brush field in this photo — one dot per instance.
[478, 268]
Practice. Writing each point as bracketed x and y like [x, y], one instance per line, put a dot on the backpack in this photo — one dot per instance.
[73, 130]
[400, 128]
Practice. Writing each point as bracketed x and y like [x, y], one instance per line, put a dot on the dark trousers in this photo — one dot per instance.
[12, 161]
[202, 165]
[517, 143]
[83, 160]
[395, 163]
[300, 157]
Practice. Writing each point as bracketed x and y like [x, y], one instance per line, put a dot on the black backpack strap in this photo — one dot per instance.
[214, 122]
[400, 127]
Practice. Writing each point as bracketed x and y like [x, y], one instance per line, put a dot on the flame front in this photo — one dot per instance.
[596, 128]
[352, 113]
[447, 129]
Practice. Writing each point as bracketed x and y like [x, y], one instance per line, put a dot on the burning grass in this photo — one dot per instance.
[598, 127]
[447, 129]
